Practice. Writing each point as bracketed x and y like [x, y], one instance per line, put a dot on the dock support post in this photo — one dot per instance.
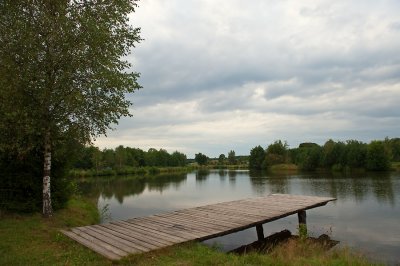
[260, 232]
[302, 223]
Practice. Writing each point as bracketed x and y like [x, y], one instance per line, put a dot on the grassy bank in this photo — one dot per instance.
[395, 166]
[142, 171]
[32, 240]
[284, 167]
[78, 173]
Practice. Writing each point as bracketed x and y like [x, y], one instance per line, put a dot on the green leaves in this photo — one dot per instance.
[61, 62]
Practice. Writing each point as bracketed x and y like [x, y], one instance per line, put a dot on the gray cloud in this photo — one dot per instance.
[227, 75]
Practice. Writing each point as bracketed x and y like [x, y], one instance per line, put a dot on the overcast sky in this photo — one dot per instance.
[230, 75]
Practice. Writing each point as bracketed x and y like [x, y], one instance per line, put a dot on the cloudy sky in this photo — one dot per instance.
[229, 74]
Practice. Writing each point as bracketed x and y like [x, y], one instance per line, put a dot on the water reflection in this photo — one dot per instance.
[366, 214]
[119, 188]
[357, 188]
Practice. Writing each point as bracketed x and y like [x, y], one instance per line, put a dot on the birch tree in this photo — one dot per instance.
[63, 73]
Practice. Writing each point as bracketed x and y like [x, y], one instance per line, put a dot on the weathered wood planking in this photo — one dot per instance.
[120, 238]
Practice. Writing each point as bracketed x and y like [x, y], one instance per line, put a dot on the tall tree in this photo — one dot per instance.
[221, 158]
[200, 158]
[232, 157]
[257, 157]
[276, 153]
[63, 73]
[378, 158]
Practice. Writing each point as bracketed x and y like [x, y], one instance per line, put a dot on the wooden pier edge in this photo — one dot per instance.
[142, 234]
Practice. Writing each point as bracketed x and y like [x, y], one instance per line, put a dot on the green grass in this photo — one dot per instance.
[395, 166]
[33, 240]
[294, 252]
[284, 167]
[148, 170]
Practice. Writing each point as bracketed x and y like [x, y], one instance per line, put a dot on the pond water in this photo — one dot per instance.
[366, 215]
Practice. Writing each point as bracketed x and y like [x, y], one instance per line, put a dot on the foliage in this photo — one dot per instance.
[377, 157]
[395, 148]
[278, 147]
[277, 153]
[308, 145]
[232, 157]
[20, 179]
[221, 158]
[333, 153]
[356, 153]
[201, 159]
[125, 160]
[63, 73]
[61, 65]
[257, 157]
[308, 158]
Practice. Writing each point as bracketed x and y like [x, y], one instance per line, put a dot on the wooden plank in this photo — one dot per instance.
[110, 239]
[99, 249]
[135, 238]
[134, 242]
[210, 218]
[99, 242]
[196, 221]
[169, 237]
[170, 228]
[224, 213]
[147, 236]
[259, 210]
[174, 232]
[93, 246]
[239, 213]
[260, 232]
[193, 228]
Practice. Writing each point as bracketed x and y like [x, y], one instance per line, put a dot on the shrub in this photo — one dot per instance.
[21, 182]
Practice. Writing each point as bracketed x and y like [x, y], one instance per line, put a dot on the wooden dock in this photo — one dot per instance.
[120, 238]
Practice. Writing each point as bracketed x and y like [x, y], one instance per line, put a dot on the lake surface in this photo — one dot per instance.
[366, 215]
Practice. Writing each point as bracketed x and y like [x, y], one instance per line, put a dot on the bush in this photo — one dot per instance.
[378, 158]
[21, 182]
[309, 158]
[257, 158]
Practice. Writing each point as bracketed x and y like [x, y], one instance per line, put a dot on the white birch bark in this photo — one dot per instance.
[47, 209]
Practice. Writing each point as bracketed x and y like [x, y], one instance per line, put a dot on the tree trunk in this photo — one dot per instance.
[47, 209]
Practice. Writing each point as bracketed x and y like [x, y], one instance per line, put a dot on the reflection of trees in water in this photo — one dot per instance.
[162, 182]
[128, 186]
[383, 189]
[274, 184]
[258, 184]
[222, 174]
[264, 182]
[118, 187]
[355, 186]
[279, 184]
[202, 175]
[232, 177]
[232, 174]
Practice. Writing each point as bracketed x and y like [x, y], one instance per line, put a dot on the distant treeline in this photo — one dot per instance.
[335, 155]
[125, 157]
